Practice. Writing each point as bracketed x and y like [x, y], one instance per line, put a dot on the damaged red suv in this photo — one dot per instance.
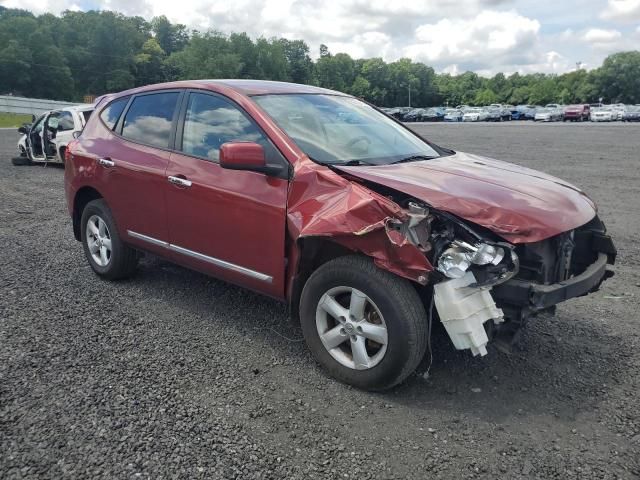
[318, 199]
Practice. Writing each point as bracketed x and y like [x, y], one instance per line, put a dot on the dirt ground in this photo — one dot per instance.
[176, 375]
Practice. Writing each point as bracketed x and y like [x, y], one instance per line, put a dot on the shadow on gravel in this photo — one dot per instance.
[564, 365]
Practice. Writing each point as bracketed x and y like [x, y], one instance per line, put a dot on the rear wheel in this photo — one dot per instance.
[108, 256]
[365, 326]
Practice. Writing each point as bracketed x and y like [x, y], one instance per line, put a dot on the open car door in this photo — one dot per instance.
[34, 139]
[48, 136]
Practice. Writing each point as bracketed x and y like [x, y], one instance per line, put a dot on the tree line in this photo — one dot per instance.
[90, 53]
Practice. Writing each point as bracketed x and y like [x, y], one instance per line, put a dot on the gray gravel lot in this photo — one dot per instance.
[176, 375]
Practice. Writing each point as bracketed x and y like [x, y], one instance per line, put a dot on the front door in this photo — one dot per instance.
[228, 223]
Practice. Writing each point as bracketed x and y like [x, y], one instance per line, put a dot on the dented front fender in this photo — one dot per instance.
[321, 203]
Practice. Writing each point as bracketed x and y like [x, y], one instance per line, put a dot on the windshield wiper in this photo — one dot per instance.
[413, 158]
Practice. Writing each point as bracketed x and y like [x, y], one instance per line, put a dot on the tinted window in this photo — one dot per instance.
[86, 114]
[211, 121]
[111, 114]
[148, 120]
[65, 121]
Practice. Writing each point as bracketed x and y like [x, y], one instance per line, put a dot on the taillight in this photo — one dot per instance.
[68, 153]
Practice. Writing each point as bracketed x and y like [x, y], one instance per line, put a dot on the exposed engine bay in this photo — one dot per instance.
[485, 288]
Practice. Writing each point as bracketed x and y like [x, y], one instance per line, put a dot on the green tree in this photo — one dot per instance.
[171, 38]
[485, 97]
[150, 63]
[15, 68]
[299, 64]
[619, 77]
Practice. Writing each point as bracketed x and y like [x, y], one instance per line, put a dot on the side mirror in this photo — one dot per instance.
[246, 156]
[23, 129]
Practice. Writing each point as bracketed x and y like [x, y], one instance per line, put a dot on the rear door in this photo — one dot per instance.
[132, 166]
[227, 223]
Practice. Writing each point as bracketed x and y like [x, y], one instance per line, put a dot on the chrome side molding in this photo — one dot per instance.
[200, 256]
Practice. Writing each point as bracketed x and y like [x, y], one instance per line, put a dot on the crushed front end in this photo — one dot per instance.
[488, 289]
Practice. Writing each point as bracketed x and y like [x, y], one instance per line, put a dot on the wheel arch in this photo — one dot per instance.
[82, 197]
[312, 253]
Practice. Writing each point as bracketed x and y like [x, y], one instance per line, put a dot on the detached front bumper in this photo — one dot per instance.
[533, 297]
[539, 297]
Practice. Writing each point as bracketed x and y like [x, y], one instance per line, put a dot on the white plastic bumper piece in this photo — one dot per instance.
[463, 311]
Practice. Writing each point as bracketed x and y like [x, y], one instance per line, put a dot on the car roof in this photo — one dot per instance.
[76, 108]
[243, 87]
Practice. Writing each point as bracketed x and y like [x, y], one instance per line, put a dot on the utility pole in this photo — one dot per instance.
[409, 94]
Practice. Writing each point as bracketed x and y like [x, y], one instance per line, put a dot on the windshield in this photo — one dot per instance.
[333, 129]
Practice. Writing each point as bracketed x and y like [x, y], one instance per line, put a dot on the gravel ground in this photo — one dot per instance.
[176, 375]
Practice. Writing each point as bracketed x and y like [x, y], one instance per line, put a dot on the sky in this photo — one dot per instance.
[485, 36]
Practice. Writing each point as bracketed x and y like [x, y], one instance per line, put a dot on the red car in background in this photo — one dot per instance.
[577, 113]
[316, 198]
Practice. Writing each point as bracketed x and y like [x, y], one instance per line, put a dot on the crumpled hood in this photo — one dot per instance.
[519, 204]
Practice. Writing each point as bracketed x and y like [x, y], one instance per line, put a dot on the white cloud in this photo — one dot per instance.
[492, 38]
[599, 35]
[622, 10]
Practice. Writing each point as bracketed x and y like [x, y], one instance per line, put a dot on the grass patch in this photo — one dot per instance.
[13, 120]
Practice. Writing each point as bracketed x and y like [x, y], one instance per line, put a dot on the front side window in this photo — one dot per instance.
[37, 127]
[111, 114]
[149, 119]
[211, 121]
[333, 129]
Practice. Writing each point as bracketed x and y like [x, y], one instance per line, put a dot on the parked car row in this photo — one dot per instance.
[551, 112]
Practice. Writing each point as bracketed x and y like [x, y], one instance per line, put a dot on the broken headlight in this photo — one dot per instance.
[456, 260]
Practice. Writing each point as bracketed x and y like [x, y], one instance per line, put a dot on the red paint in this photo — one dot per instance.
[241, 154]
[255, 221]
[519, 204]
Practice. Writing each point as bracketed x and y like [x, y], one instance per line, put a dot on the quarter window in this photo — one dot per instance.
[111, 114]
[211, 121]
[149, 118]
[65, 121]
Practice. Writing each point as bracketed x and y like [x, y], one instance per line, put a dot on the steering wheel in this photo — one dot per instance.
[361, 138]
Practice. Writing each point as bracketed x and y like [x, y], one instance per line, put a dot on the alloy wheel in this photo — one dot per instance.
[98, 240]
[351, 328]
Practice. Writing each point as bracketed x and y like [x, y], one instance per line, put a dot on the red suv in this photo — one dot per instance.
[577, 113]
[318, 199]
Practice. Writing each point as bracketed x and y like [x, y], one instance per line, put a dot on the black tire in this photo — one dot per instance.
[123, 260]
[20, 161]
[397, 301]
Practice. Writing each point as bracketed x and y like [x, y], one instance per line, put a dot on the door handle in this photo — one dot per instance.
[181, 182]
[106, 162]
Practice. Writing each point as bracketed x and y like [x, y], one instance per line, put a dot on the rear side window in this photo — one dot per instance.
[65, 121]
[149, 118]
[211, 121]
[111, 114]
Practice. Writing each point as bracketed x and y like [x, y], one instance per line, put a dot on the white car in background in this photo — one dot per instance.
[45, 141]
[603, 114]
[453, 115]
[475, 114]
[548, 114]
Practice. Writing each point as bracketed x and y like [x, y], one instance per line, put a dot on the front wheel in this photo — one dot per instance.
[365, 326]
